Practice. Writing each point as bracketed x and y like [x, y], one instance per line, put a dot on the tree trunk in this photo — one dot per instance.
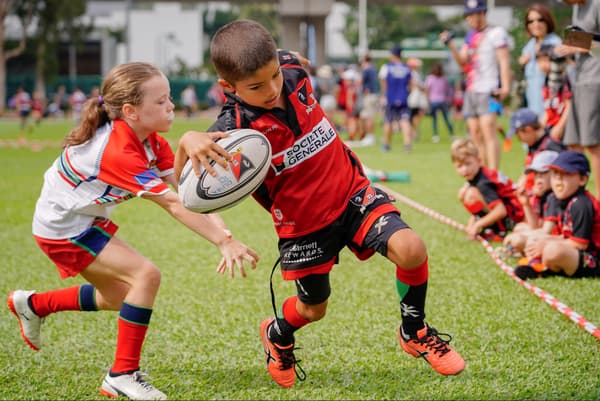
[40, 67]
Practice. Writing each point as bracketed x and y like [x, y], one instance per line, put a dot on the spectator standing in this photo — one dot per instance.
[438, 92]
[583, 125]
[189, 100]
[539, 24]
[76, 102]
[485, 60]
[417, 98]
[556, 91]
[395, 78]
[23, 106]
[370, 90]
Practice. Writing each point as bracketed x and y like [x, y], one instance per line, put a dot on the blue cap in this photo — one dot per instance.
[474, 6]
[571, 162]
[522, 118]
[396, 50]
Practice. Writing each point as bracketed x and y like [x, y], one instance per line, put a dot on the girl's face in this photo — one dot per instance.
[262, 89]
[543, 63]
[156, 112]
[468, 167]
[541, 183]
[536, 26]
[566, 184]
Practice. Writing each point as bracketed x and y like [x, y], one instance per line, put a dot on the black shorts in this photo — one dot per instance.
[364, 227]
[588, 265]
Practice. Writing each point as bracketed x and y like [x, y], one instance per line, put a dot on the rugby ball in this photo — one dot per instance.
[248, 168]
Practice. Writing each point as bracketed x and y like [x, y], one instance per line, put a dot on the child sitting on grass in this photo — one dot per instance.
[525, 124]
[488, 194]
[575, 252]
[539, 205]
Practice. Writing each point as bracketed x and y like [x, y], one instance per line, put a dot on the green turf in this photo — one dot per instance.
[203, 342]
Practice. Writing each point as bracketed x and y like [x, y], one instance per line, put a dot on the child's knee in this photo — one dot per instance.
[312, 313]
[406, 249]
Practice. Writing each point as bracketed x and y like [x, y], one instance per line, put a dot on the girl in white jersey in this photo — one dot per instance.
[112, 156]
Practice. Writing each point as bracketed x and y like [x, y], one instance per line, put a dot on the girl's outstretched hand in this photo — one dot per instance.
[234, 254]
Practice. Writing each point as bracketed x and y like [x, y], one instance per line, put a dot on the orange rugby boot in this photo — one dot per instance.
[281, 362]
[428, 345]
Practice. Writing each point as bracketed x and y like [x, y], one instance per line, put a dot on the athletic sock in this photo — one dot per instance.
[77, 298]
[132, 327]
[412, 290]
[282, 330]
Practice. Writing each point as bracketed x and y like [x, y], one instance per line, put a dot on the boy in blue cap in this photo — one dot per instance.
[575, 252]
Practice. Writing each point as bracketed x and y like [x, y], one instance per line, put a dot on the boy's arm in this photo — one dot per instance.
[496, 213]
[503, 57]
[558, 130]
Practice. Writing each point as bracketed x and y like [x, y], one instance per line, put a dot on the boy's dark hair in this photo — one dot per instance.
[240, 48]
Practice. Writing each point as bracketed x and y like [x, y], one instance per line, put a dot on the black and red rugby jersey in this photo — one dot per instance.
[313, 173]
[580, 220]
[496, 187]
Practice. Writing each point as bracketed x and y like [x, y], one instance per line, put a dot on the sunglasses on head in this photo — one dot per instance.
[531, 21]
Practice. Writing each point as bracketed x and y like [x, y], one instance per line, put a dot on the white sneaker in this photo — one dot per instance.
[29, 323]
[132, 386]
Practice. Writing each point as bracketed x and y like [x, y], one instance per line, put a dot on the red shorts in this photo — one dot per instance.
[72, 255]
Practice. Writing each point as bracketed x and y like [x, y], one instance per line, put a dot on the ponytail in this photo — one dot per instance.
[93, 116]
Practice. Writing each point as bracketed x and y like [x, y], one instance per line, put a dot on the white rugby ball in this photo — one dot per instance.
[251, 153]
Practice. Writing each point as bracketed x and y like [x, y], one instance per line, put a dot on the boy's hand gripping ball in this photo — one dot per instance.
[251, 153]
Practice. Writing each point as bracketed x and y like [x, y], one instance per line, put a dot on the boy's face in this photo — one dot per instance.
[566, 184]
[541, 183]
[527, 135]
[262, 89]
[468, 167]
[476, 20]
[543, 63]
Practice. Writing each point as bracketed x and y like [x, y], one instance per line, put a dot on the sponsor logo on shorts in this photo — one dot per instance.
[302, 253]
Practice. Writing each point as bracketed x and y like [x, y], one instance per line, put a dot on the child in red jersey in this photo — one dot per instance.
[488, 195]
[319, 198]
[525, 124]
[575, 252]
[539, 206]
[114, 155]
[556, 91]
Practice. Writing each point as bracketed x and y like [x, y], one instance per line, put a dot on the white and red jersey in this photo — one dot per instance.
[313, 173]
[482, 72]
[87, 180]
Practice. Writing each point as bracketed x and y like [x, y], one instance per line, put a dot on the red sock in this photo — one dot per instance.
[291, 315]
[130, 339]
[49, 302]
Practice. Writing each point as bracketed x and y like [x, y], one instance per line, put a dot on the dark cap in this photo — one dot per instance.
[396, 50]
[547, 50]
[522, 118]
[571, 162]
[474, 6]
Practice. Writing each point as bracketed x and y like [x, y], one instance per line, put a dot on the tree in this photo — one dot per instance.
[57, 19]
[24, 11]
[389, 24]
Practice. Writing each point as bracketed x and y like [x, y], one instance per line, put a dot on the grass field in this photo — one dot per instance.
[203, 342]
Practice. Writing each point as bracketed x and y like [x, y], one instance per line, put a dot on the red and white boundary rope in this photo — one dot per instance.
[546, 297]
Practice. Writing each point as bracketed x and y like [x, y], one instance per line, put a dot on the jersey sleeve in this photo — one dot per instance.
[129, 170]
[499, 38]
[582, 214]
